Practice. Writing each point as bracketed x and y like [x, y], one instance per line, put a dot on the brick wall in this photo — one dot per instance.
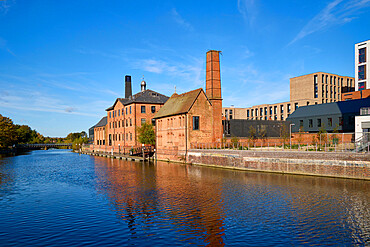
[320, 164]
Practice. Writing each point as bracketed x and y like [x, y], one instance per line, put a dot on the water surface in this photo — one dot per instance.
[59, 198]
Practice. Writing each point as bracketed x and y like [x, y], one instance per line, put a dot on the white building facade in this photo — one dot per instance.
[362, 70]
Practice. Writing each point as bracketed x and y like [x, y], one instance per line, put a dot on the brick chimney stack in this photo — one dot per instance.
[213, 91]
[128, 90]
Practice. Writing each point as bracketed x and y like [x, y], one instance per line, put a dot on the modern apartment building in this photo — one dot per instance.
[362, 70]
[311, 89]
[319, 88]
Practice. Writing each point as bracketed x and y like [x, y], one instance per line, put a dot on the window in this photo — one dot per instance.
[153, 122]
[256, 112]
[295, 106]
[130, 136]
[310, 123]
[119, 112]
[126, 110]
[362, 55]
[122, 112]
[252, 112]
[247, 113]
[315, 86]
[361, 86]
[130, 109]
[265, 110]
[119, 124]
[275, 117]
[288, 106]
[281, 118]
[281, 109]
[275, 109]
[231, 117]
[153, 109]
[109, 114]
[142, 121]
[330, 122]
[319, 122]
[261, 112]
[110, 125]
[130, 122]
[143, 109]
[195, 123]
[361, 72]
[300, 123]
[270, 110]
[308, 102]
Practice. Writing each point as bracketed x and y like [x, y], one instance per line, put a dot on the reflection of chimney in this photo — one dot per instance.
[213, 78]
[128, 91]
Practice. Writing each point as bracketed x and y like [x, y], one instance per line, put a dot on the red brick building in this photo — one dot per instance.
[124, 118]
[192, 117]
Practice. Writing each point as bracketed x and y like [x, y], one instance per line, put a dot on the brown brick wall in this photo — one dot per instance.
[320, 164]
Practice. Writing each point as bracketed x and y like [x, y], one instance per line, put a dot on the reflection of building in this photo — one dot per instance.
[362, 70]
[311, 89]
[144, 196]
[192, 117]
[338, 115]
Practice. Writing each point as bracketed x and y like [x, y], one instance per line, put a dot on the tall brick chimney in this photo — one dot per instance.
[213, 91]
[128, 90]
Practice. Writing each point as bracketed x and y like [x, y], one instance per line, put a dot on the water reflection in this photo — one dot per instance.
[217, 206]
[164, 196]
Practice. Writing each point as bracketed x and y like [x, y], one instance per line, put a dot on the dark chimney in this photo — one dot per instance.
[128, 90]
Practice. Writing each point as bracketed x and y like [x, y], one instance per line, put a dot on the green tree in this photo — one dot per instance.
[321, 134]
[146, 134]
[284, 133]
[235, 141]
[300, 137]
[252, 135]
[8, 132]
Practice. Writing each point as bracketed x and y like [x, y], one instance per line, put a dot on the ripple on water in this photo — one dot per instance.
[58, 198]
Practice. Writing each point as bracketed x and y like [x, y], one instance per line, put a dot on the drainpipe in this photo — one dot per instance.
[186, 138]
[135, 123]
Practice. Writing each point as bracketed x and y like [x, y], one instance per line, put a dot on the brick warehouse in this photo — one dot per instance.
[125, 116]
[192, 117]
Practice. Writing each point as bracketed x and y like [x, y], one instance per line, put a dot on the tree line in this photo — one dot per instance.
[12, 134]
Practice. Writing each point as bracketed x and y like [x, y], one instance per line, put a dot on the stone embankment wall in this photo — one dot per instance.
[343, 165]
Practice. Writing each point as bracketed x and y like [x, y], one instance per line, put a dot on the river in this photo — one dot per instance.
[60, 198]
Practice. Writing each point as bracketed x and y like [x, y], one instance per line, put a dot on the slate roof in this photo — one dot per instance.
[147, 96]
[101, 123]
[341, 107]
[179, 104]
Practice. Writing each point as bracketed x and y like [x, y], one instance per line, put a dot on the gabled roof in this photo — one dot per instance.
[179, 104]
[146, 96]
[101, 123]
[341, 107]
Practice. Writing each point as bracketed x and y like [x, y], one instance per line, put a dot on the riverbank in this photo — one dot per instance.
[339, 165]
[325, 164]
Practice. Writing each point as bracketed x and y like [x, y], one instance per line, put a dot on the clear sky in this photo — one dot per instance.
[62, 63]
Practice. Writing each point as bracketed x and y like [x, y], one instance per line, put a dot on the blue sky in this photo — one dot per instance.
[62, 63]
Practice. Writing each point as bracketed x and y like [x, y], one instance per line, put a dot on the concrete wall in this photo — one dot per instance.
[319, 164]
